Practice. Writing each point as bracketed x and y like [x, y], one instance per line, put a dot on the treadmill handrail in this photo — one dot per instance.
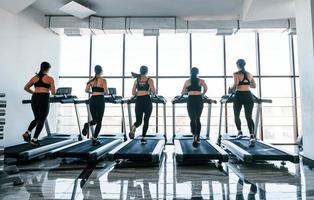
[55, 99]
[183, 99]
[154, 98]
[230, 99]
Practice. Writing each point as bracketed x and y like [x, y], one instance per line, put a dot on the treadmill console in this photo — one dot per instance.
[184, 99]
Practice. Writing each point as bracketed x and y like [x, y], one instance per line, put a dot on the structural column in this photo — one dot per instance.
[305, 35]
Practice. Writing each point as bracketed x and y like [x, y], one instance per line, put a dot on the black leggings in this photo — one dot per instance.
[244, 98]
[143, 106]
[97, 109]
[195, 108]
[40, 106]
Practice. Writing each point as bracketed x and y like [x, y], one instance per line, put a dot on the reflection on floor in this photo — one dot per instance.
[54, 179]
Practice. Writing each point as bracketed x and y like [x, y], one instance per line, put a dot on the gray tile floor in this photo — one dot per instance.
[54, 179]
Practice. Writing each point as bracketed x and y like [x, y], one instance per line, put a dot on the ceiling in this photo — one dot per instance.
[186, 9]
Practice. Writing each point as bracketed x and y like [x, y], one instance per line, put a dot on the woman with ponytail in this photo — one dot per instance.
[143, 86]
[243, 81]
[97, 88]
[193, 87]
[44, 85]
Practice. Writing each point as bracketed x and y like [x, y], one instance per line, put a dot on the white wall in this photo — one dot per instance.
[24, 44]
[305, 32]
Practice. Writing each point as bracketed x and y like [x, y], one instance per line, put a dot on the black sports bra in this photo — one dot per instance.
[40, 82]
[194, 87]
[245, 80]
[142, 85]
[95, 88]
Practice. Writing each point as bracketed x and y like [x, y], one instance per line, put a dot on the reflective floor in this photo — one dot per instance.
[54, 179]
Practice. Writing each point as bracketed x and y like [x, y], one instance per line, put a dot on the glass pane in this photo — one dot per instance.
[241, 45]
[274, 54]
[174, 55]
[74, 56]
[278, 116]
[140, 50]
[108, 52]
[207, 54]
[296, 55]
[66, 116]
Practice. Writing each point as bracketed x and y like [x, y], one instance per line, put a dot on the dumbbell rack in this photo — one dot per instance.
[4, 177]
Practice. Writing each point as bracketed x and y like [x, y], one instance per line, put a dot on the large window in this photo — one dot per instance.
[169, 58]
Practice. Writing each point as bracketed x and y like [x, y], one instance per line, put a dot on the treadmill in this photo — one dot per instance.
[84, 149]
[132, 151]
[239, 147]
[206, 150]
[26, 151]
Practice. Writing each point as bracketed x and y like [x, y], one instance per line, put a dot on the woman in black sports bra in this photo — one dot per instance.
[97, 87]
[193, 87]
[44, 85]
[143, 86]
[243, 81]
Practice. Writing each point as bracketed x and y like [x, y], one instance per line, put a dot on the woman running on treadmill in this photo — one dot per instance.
[44, 85]
[193, 87]
[143, 86]
[243, 81]
[97, 87]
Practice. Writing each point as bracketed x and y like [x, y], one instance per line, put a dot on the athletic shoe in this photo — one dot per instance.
[143, 141]
[239, 136]
[35, 143]
[85, 129]
[27, 137]
[195, 143]
[252, 142]
[95, 142]
[132, 132]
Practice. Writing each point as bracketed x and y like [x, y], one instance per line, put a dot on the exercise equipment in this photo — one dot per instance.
[84, 149]
[206, 150]
[26, 151]
[133, 151]
[239, 147]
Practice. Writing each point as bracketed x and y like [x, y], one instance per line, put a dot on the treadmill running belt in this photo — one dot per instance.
[16, 149]
[260, 149]
[203, 151]
[84, 149]
[135, 147]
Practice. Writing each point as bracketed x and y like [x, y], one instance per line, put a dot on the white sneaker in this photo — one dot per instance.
[132, 132]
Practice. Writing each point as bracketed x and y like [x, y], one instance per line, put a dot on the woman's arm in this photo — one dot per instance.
[134, 88]
[253, 83]
[203, 83]
[235, 81]
[87, 88]
[152, 87]
[184, 88]
[28, 86]
[105, 87]
[53, 87]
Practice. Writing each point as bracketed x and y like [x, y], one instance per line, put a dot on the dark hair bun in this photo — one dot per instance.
[143, 70]
[98, 69]
[241, 62]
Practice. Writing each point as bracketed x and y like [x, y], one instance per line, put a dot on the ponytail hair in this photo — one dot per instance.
[44, 66]
[241, 65]
[143, 71]
[194, 77]
[98, 71]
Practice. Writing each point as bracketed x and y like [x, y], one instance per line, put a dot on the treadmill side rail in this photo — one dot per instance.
[237, 151]
[54, 151]
[223, 153]
[94, 155]
[178, 150]
[158, 150]
[118, 148]
[30, 154]
[294, 157]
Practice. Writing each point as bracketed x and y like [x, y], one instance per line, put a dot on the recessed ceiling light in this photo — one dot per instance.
[77, 10]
